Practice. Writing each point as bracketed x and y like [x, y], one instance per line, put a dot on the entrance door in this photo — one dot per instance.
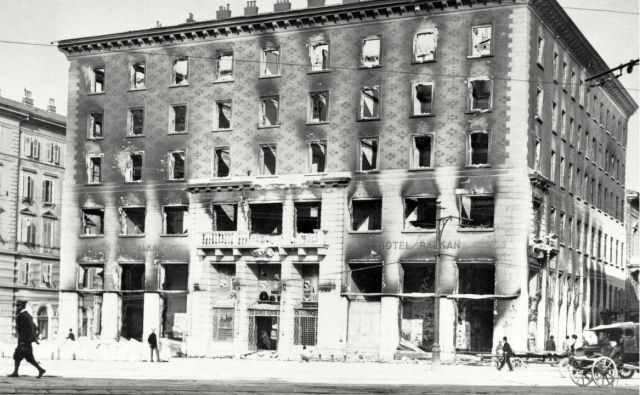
[364, 325]
[132, 316]
[263, 330]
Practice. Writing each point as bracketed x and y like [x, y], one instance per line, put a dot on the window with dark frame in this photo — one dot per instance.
[318, 107]
[422, 98]
[95, 125]
[319, 56]
[90, 276]
[307, 216]
[225, 217]
[480, 92]
[138, 75]
[265, 218]
[132, 221]
[133, 169]
[94, 169]
[420, 213]
[136, 122]
[178, 119]
[176, 166]
[97, 79]
[47, 191]
[370, 102]
[92, 222]
[223, 115]
[422, 152]
[368, 154]
[317, 156]
[481, 40]
[476, 211]
[175, 220]
[366, 215]
[221, 162]
[180, 71]
[370, 52]
[269, 111]
[478, 148]
[270, 62]
[269, 159]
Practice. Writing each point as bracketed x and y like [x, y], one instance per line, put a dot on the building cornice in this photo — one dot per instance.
[19, 110]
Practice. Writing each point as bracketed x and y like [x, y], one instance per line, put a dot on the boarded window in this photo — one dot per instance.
[138, 75]
[422, 152]
[307, 216]
[422, 98]
[318, 106]
[225, 217]
[370, 52]
[95, 125]
[132, 220]
[175, 220]
[221, 162]
[133, 170]
[481, 40]
[480, 94]
[269, 107]
[370, 102]
[319, 56]
[93, 222]
[476, 211]
[478, 147]
[317, 156]
[224, 66]
[270, 62]
[424, 45]
[94, 169]
[136, 121]
[419, 213]
[180, 71]
[223, 115]
[176, 166]
[97, 79]
[266, 219]
[268, 160]
[366, 215]
[178, 119]
[368, 154]
[223, 324]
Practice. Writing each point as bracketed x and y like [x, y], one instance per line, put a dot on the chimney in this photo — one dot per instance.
[223, 13]
[190, 18]
[27, 99]
[282, 5]
[52, 105]
[158, 24]
[315, 3]
[250, 9]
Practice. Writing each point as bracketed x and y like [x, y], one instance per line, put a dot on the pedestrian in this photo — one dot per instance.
[153, 345]
[26, 330]
[305, 355]
[507, 352]
[550, 345]
[574, 340]
[566, 346]
[71, 336]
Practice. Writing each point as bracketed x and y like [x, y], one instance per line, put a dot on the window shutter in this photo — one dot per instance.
[56, 154]
[45, 195]
[48, 148]
[27, 147]
[36, 149]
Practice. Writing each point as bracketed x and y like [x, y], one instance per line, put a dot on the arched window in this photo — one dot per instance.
[43, 322]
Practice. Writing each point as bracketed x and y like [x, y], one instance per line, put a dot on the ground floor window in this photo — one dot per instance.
[263, 329]
[223, 324]
[305, 331]
[43, 323]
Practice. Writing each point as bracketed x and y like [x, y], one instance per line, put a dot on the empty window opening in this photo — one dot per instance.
[181, 71]
[370, 102]
[225, 217]
[138, 75]
[480, 94]
[223, 324]
[132, 220]
[368, 154]
[95, 125]
[366, 279]
[174, 305]
[424, 45]
[175, 220]
[422, 151]
[97, 79]
[221, 162]
[481, 40]
[223, 115]
[136, 122]
[371, 52]
[269, 107]
[317, 156]
[307, 217]
[94, 169]
[366, 215]
[224, 67]
[93, 222]
[475, 317]
[476, 211]
[176, 166]
[178, 119]
[479, 147]
[319, 56]
[270, 62]
[268, 160]
[132, 277]
[90, 277]
[318, 106]
[132, 314]
[266, 218]
[419, 213]
[417, 314]
[133, 170]
[422, 98]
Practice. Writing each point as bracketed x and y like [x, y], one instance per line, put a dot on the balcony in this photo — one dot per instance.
[253, 240]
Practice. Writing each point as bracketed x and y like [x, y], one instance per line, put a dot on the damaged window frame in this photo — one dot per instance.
[264, 69]
[474, 43]
[136, 84]
[320, 144]
[315, 66]
[94, 178]
[185, 219]
[375, 154]
[215, 160]
[96, 88]
[84, 226]
[86, 274]
[406, 225]
[430, 53]
[470, 150]
[311, 108]
[219, 107]
[473, 106]
[377, 101]
[130, 173]
[415, 152]
[184, 81]
[130, 231]
[171, 171]
[540, 49]
[263, 166]
[92, 125]
[172, 118]
[318, 218]
[215, 225]
[417, 103]
[377, 60]
[278, 228]
[223, 75]
[466, 221]
[377, 229]
[135, 129]
[262, 112]
[539, 102]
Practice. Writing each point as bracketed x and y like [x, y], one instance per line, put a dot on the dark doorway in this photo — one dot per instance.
[417, 313]
[263, 330]
[474, 331]
[132, 316]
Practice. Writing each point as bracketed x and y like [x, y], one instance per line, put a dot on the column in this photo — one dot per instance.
[110, 315]
[542, 307]
[389, 330]
[67, 313]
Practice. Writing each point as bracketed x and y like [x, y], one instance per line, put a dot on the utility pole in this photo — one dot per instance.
[435, 350]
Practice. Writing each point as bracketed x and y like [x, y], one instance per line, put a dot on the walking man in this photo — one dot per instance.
[506, 354]
[153, 345]
[550, 345]
[26, 330]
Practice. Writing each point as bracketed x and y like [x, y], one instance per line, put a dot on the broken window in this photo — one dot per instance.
[270, 62]
[135, 122]
[132, 277]
[476, 211]
[368, 154]
[176, 165]
[178, 119]
[269, 107]
[481, 40]
[307, 217]
[90, 277]
[366, 215]
[422, 98]
[266, 218]
[475, 323]
[180, 75]
[539, 101]
[175, 220]
[420, 213]
[268, 160]
[28, 231]
[422, 152]
[540, 49]
[317, 156]
[370, 52]
[478, 148]
[95, 125]
[132, 220]
[366, 279]
[223, 324]
[424, 45]
[94, 169]
[138, 75]
[93, 222]
[224, 66]
[133, 169]
[554, 116]
[225, 217]
[318, 106]
[536, 153]
[370, 102]
[563, 121]
[319, 56]
[480, 90]
[174, 304]
[47, 191]
[97, 79]
[174, 277]
[221, 162]
[223, 114]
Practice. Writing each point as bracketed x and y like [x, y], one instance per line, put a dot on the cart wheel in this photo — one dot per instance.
[604, 372]
[626, 373]
[564, 365]
[580, 376]
[517, 362]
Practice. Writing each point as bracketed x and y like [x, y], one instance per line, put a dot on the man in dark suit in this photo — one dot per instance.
[507, 353]
[26, 330]
[153, 345]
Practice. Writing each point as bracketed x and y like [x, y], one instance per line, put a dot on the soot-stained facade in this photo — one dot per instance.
[271, 181]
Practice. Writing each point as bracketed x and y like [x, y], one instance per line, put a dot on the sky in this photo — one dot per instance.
[43, 70]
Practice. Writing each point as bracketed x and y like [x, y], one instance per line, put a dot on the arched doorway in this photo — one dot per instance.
[43, 322]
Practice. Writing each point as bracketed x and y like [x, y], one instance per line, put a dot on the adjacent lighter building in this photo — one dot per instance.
[32, 144]
[274, 180]
[632, 224]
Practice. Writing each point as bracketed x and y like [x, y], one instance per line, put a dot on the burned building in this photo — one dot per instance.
[270, 181]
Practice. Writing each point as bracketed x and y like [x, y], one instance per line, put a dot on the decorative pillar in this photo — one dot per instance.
[111, 305]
